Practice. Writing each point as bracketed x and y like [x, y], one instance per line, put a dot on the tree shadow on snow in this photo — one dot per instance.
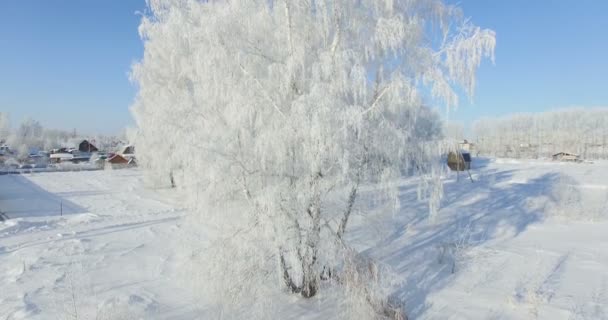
[21, 198]
[494, 206]
[480, 162]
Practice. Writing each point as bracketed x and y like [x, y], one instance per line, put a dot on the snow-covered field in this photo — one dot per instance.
[526, 240]
[110, 253]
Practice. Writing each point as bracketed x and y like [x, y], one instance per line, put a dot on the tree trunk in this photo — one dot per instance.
[171, 179]
[287, 277]
[310, 280]
[308, 249]
[310, 283]
[349, 208]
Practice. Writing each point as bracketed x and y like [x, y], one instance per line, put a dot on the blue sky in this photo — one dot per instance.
[549, 55]
[66, 62]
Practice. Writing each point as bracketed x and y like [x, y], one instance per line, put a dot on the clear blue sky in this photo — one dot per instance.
[66, 62]
[549, 54]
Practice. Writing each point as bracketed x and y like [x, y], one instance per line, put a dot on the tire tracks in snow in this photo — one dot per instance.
[104, 230]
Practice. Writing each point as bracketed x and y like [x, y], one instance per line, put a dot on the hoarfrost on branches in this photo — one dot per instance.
[5, 127]
[271, 115]
[536, 135]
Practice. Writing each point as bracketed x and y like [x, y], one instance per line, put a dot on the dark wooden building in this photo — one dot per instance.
[86, 146]
[566, 156]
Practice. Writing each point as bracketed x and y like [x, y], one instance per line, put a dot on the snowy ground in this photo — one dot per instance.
[526, 240]
[111, 252]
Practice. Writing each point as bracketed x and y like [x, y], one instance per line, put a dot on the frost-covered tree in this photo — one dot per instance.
[273, 114]
[454, 131]
[29, 135]
[5, 127]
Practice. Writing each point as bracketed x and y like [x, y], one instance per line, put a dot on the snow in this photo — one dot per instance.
[62, 156]
[526, 240]
[114, 240]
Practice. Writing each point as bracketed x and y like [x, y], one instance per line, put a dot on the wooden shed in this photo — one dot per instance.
[128, 150]
[565, 156]
[86, 146]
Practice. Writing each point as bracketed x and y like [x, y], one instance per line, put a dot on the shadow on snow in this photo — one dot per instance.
[492, 207]
[20, 198]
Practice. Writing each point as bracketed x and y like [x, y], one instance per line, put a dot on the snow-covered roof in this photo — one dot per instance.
[61, 156]
[566, 154]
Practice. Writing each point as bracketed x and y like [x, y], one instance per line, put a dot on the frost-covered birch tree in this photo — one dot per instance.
[28, 135]
[5, 127]
[273, 114]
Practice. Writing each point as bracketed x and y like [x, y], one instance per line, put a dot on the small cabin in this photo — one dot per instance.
[459, 160]
[117, 159]
[566, 157]
[132, 162]
[86, 146]
[127, 152]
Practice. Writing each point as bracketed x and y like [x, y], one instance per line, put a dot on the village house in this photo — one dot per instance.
[127, 152]
[86, 146]
[117, 161]
[567, 157]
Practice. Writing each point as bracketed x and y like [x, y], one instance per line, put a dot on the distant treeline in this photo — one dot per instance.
[537, 135]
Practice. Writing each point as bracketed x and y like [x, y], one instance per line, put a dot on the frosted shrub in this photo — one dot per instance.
[75, 299]
[5, 127]
[569, 200]
[367, 285]
[280, 111]
[591, 307]
[535, 290]
[457, 252]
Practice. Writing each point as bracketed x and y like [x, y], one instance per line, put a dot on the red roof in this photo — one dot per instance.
[117, 159]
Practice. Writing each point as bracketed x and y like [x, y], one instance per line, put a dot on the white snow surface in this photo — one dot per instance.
[525, 240]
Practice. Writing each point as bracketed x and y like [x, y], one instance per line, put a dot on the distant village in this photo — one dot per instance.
[526, 151]
[82, 154]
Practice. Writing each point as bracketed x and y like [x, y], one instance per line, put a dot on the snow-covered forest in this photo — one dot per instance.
[284, 111]
[582, 131]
